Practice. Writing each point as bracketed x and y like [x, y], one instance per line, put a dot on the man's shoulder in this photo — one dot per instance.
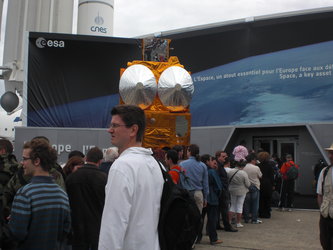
[185, 162]
[202, 164]
[248, 167]
[89, 169]
[24, 190]
[212, 171]
[251, 167]
[86, 172]
[30, 188]
[131, 160]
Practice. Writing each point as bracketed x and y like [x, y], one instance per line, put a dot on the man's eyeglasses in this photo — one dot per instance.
[25, 158]
[115, 125]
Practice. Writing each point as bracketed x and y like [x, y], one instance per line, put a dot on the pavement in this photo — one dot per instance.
[294, 230]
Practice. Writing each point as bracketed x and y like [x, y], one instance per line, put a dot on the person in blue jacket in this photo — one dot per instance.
[215, 188]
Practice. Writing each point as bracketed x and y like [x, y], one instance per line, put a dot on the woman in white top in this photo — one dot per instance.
[239, 184]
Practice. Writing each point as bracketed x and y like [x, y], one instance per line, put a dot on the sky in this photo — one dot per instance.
[134, 18]
[140, 17]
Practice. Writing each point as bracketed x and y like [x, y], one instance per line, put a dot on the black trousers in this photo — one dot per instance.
[224, 205]
[287, 194]
[265, 202]
[326, 233]
[212, 212]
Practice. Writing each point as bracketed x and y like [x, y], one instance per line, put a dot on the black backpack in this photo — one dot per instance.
[180, 218]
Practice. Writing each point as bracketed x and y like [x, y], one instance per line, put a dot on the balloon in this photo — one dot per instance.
[9, 101]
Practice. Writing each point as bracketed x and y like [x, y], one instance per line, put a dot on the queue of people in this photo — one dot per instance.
[112, 201]
[239, 190]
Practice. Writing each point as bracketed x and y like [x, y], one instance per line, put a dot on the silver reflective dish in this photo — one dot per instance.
[175, 88]
[137, 86]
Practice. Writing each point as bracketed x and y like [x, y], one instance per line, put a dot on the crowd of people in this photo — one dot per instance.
[234, 189]
[112, 201]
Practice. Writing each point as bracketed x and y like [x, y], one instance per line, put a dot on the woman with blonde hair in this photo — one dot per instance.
[266, 166]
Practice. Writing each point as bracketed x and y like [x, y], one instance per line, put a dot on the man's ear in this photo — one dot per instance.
[36, 162]
[134, 130]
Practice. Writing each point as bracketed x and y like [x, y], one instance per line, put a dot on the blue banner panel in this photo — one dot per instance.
[288, 86]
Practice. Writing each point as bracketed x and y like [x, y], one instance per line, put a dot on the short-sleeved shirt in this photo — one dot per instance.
[254, 174]
[320, 182]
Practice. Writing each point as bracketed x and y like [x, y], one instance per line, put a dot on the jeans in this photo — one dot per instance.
[251, 204]
[212, 212]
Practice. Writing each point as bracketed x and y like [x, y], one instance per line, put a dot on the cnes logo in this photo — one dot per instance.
[42, 43]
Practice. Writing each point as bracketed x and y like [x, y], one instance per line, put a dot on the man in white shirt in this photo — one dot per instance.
[134, 188]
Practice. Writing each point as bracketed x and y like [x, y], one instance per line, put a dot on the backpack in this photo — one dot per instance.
[292, 173]
[185, 181]
[180, 218]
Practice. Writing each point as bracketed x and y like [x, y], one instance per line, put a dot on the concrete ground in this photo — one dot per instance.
[285, 230]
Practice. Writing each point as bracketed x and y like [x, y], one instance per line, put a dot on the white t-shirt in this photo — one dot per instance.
[254, 174]
[320, 182]
[132, 202]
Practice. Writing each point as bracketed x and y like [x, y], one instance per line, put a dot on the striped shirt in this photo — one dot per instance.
[40, 215]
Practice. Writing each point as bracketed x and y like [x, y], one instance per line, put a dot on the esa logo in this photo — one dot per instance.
[42, 43]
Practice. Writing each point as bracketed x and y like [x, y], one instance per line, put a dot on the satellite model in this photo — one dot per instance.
[163, 89]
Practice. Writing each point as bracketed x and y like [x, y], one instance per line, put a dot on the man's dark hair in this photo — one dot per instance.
[194, 151]
[75, 153]
[43, 151]
[132, 115]
[204, 158]
[94, 155]
[166, 149]
[173, 155]
[7, 145]
[41, 137]
[218, 153]
[178, 148]
[251, 157]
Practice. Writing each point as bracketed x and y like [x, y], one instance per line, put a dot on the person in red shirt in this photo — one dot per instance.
[171, 159]
[288, 184]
